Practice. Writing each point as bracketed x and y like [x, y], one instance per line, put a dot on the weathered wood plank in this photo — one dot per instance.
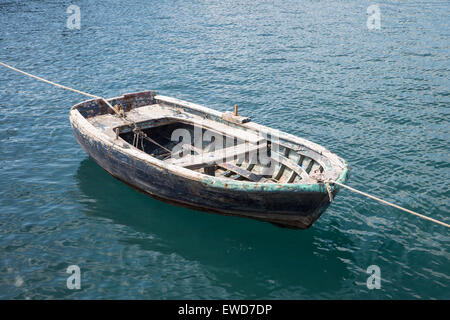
[230, 167]
[278, 175]
[229, 116]
[241, 171]
[293, 173]
[293, 166]
[215, 157]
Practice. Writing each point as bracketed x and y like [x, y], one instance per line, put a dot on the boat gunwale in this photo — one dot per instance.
[82, 124]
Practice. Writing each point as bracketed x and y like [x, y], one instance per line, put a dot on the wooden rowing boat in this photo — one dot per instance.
[197, 157]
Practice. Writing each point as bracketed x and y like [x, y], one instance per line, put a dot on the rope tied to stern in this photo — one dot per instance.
[327, 183]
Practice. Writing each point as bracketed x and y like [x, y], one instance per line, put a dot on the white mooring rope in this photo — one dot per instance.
[140, 132]
[49, 82]
[391, 204]
[151, 140]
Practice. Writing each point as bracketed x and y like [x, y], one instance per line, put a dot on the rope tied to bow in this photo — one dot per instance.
[118, 111]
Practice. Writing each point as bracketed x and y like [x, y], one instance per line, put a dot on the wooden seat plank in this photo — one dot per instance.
[215, 157]
[231, 167]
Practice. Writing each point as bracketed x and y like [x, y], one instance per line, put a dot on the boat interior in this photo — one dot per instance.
[244, 158]
[212, 146]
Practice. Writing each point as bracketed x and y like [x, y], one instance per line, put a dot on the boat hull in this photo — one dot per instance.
[286, 208]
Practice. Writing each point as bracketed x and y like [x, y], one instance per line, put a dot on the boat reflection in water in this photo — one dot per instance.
[266, 257]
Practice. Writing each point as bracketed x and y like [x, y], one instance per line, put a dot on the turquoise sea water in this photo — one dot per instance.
[378, 98]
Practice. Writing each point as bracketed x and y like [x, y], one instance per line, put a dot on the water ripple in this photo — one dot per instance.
[378, 99]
